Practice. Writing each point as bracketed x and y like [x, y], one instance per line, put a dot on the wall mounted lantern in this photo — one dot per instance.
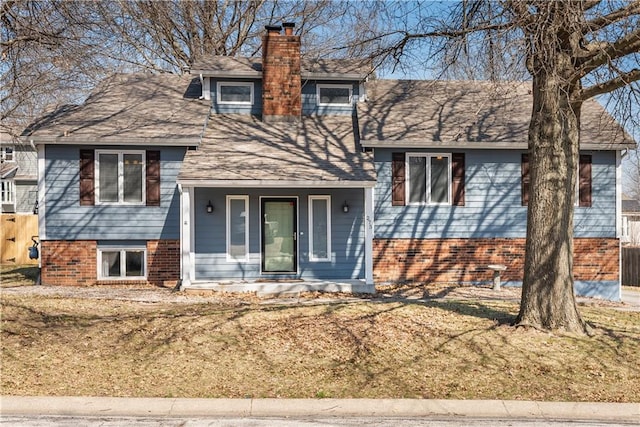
[345, 207]
[209, 207]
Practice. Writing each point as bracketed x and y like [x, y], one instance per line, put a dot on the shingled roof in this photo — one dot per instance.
[317, 150]
[8, 170]
[470, 114]
[251, 67]
[129, 109]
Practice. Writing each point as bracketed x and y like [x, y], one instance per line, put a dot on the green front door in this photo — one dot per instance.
[279, 235]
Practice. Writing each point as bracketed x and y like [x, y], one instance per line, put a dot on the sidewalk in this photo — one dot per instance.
[167, 407]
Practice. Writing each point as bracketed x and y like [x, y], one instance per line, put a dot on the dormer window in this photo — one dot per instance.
[334, 95]
[235, 93]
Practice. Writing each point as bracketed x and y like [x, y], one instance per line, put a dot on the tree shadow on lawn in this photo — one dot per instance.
[479, 310]
[473, 308]
[19, 275]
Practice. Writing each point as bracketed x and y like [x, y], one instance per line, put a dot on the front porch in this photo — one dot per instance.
[288, 239]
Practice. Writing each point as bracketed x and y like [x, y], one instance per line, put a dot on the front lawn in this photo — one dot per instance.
[382, 347]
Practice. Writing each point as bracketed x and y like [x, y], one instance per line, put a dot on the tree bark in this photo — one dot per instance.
[548, 300]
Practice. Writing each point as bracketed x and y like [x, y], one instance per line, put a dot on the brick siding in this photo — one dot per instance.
[74, 263]
[68, 263]
[163, 261]
[466, 260]
[281, 82]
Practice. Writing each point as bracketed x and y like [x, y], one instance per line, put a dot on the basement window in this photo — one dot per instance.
[235, 93]
[122, 263]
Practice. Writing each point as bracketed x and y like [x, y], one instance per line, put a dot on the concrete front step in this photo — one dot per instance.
[293, 288]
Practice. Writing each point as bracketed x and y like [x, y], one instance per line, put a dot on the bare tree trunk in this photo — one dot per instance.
[547, 294]
[548, 300]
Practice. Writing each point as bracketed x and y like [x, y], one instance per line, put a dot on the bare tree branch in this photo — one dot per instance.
[618, 82]
[601, 55]
[599, 22]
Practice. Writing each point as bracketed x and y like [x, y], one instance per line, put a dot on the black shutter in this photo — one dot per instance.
[584, 185]
[397, 179]
[153, 178]
[457, 179]
[87, 178]
[525, 179]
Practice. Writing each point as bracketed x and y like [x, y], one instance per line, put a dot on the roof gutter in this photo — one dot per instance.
[80, 140]
[472, 145]
[228, 74]
[266, 183]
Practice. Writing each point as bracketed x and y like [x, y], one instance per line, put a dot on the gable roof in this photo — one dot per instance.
[470, 114]
[316, 151]
[129, 109]
[251, 67]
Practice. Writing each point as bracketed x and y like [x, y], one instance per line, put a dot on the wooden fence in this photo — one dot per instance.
[631, 266]
[16, 231]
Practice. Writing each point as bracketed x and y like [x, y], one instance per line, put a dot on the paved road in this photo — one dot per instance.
[61, 421]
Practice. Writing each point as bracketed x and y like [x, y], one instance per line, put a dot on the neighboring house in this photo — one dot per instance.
[254, 171]
[630, 234]
[18, 176]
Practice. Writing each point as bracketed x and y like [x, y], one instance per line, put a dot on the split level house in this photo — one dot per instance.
[250, 172]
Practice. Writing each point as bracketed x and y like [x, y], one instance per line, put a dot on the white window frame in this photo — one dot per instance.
[8, 158]
[232, 258]
[123, 263]
[219, 93]
[428, 157]
[312, 258]
[121, 154]
[8, 189]
[336, 86]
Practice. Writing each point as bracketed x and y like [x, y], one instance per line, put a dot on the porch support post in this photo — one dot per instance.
[41, 200]
[619, 219]
[368, 235]
[187, 268]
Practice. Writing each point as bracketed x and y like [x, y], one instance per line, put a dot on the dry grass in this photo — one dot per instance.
[384, 347]
[21, 275]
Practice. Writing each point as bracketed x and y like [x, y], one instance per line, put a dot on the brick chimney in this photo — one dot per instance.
[281, 85]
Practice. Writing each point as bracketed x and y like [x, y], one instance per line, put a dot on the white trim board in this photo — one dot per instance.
[250, 183]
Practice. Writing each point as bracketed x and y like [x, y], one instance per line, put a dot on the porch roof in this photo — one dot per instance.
[468, 114]
[242, 149]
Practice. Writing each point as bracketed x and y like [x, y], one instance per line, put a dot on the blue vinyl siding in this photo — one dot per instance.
[67, 220]
[347, 235]
[492, 201]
